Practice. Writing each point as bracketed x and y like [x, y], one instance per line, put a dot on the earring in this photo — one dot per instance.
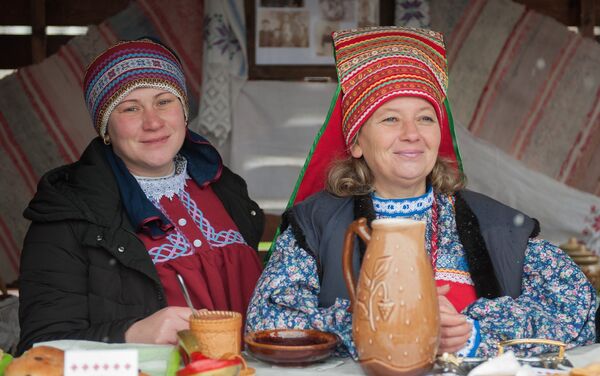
[106, 139]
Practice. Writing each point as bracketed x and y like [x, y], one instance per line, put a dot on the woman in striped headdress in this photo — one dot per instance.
[390, 137]
[149, 201]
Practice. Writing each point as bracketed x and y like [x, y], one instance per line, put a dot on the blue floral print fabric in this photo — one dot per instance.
[557, 301]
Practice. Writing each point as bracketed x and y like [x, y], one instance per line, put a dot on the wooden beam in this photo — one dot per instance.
[386, 12]
[587, 18]
[82, 12]
[14, 12]
[62, 12]
[38, 31]
[16, 52]
[564, 11]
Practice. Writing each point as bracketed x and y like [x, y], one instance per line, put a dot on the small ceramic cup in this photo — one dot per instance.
[218, 333]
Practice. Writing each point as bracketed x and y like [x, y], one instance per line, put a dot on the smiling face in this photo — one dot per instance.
[400, 144]
[146, 130]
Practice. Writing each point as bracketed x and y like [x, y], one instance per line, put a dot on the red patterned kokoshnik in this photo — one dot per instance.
[378, 64]
[125, 67]
[375, 65]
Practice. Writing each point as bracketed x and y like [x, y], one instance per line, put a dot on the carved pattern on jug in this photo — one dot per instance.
[375, 287]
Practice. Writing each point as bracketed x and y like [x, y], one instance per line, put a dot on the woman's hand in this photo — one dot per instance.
[455, 330]
[159, 328]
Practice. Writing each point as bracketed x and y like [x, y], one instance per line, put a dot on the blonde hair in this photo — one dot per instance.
[352, 176]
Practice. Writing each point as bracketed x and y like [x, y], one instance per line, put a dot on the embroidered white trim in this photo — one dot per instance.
[165, 186]
[389, 207]
[454, 277]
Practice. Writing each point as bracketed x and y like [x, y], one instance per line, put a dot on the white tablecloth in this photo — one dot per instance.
[153, 359]
[347, 367]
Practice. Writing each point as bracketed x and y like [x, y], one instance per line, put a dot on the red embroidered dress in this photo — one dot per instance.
[204, 246]
[450, 267]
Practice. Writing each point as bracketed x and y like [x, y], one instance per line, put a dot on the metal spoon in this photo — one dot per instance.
[186, 296]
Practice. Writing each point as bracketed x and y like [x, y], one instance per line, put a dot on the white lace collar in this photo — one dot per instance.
[390, 207]
[165, 186]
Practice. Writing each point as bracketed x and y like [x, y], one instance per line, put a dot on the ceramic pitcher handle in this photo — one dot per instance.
[360, 228]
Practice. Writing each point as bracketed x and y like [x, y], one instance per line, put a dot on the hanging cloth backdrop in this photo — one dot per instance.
[518, 79]
[224, 69]
[43, 119]
[526, 84]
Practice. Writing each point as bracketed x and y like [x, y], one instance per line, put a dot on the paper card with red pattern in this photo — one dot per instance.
[101, 363]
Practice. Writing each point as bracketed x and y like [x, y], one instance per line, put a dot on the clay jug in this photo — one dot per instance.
[395, 313]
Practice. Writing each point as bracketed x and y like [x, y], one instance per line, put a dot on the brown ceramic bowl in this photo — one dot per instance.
[291, 347]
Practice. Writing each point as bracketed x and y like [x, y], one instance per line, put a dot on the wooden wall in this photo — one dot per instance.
[584, 14]
[20, 50]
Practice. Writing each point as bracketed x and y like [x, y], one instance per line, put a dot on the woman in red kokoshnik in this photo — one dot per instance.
[387, 150]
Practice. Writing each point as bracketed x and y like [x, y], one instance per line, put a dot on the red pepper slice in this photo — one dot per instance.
[207, 364]
[197, 356]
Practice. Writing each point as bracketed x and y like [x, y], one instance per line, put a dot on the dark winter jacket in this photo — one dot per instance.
[84, 272]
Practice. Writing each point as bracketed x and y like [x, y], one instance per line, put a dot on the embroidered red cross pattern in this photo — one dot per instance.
[85, 367]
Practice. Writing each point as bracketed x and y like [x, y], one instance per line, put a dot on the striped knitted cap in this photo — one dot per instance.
[377, 64]
[127, 66]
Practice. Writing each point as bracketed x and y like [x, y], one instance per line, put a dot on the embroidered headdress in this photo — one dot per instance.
[375, 65]
[125, 67]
